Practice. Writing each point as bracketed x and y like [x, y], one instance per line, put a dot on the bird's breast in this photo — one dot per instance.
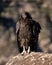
[25, 31]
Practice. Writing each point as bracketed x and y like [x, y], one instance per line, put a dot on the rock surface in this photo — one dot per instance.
[31, 59]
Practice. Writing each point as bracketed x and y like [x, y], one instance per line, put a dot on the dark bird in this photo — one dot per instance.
[25, 29]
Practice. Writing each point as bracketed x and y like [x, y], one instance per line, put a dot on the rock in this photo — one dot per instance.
[31, 59]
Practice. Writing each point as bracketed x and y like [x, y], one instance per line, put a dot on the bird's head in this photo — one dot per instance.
[26, 15]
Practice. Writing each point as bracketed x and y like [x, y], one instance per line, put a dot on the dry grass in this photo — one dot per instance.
[31, 59]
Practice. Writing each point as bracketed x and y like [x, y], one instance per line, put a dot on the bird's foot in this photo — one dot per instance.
[24, 52]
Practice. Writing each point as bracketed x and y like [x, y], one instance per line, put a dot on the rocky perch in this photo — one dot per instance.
[31, 59]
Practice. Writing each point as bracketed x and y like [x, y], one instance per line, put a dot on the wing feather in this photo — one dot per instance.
[17, 26]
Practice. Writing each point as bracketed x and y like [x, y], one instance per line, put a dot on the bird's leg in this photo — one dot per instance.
[28, 49]
[23, 50]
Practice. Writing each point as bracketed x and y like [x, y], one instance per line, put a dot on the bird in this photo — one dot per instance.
[25, 29]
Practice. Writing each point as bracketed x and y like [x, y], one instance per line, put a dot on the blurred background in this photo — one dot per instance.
[40, 10]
